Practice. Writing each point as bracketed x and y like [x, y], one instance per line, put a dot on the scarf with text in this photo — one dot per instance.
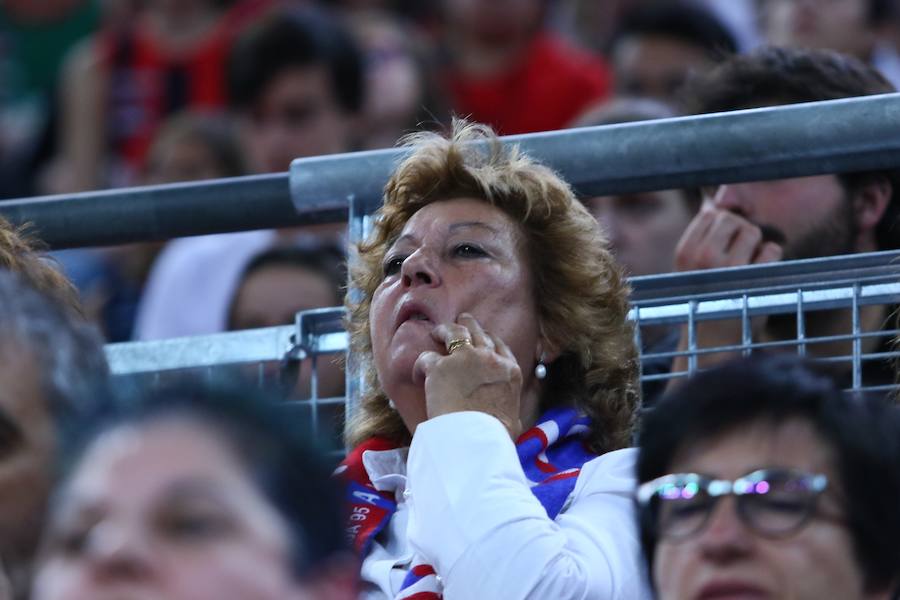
[551, 454]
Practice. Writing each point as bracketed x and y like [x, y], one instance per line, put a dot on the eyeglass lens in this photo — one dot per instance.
[772, 503]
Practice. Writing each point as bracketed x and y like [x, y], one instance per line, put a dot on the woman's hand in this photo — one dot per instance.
[480, 374]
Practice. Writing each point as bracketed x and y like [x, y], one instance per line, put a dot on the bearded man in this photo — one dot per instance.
[789, 219]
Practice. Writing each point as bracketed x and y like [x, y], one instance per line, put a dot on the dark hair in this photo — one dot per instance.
[270, 442]
[295, 38]
[327, 261]
[881, 11]
[67, 351]
[863, 434]
[215, 132]
[877, 11]
[771, 75]
[680, 20]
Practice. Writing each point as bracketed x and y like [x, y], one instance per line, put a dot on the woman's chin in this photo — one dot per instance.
[400, 376]
[404, 356]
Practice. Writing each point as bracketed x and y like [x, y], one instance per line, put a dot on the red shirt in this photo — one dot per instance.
[149, 82]
[552, 85]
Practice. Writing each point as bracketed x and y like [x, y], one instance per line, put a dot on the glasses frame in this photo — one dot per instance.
[746, 485]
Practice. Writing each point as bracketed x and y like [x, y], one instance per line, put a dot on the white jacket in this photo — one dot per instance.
[464, 505]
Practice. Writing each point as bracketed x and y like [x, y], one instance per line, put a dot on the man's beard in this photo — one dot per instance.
[834, 235]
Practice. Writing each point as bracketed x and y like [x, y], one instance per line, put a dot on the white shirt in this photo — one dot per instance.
[465, 507]
[192, 283]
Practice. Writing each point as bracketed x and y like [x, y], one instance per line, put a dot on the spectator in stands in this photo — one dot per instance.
[815, 480]
[643, 229]
[590, 24]
[34, 37]
[506, 70]
[52, 369]
[806, 217]
[189, 147]
[193, 146]
[119, 86]
[860, 28]
[196, 494]
[297, 83]
[630, 220]
[402, 89]
[489, 310]
[660, 44]
[279, 283]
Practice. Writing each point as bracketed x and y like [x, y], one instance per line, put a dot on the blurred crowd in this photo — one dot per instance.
[758, 478]
[99, 94]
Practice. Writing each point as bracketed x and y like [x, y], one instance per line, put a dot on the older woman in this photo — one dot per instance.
[493, 323]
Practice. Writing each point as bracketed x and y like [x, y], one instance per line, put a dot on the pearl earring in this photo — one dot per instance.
[540, 370]
[392, 405]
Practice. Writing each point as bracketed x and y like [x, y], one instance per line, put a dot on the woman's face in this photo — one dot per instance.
[454, 256]
[163, 511]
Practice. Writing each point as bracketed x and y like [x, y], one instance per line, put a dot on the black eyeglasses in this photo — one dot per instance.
[772, 502]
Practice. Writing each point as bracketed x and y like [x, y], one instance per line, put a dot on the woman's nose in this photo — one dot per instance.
[420, 268]
[117, 552]
[725, 536]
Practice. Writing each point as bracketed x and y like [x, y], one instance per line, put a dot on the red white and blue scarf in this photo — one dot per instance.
[551, 454]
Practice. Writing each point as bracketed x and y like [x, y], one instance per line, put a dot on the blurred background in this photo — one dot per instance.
[97, 94]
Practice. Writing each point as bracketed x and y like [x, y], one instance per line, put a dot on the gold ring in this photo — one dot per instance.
[456, 344]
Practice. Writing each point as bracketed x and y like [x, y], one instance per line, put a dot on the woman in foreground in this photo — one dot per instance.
[196, 494]
[502, 373]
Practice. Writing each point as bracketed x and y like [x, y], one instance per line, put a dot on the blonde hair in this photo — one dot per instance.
[21, 252]
[581, 294]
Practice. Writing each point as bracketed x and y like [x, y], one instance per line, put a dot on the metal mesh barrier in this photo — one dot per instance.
[851, 290]
[797, 291]
[285, 362]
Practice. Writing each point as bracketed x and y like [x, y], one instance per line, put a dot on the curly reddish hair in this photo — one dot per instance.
[581, 294]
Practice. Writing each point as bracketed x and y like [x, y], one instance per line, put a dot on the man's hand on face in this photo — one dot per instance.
[714, 239]
[718, 238]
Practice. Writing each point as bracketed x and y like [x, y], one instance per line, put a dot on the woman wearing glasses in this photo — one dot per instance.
[761, 479]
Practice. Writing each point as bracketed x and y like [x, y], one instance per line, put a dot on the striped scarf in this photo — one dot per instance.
[551, 454]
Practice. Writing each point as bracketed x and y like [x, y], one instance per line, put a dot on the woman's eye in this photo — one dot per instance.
[782, 505]
[191, 527]
[708, 192]
[71, 542]
[392, 266]
[687, 510]
[469, 251]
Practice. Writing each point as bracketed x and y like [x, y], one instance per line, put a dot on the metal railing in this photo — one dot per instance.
[765, 143]
[801, 290]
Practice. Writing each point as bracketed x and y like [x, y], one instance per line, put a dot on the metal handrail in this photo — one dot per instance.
[767, 143]
[815, 284]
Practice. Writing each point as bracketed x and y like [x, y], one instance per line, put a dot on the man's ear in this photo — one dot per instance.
[870, 201]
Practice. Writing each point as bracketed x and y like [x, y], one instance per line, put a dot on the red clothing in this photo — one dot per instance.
[552, 85]
[148, 82]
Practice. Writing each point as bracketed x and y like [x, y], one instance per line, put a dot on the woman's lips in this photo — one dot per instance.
[731, 590]
[417, 322]
[413, 312]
